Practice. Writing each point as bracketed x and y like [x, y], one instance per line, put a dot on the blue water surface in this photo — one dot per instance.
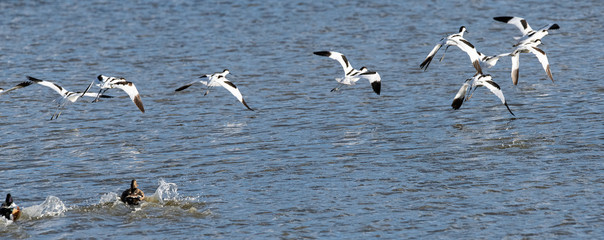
[307, 163]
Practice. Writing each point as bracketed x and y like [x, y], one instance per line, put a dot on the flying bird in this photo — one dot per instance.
[106, 83]
[532, 48]
[470, 86]
[490, 61]
[454, 40]
[351, 75]
[219, 79]
[67, 97]
[528, 34]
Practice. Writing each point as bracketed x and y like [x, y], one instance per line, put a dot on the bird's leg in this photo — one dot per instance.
[96, 99]
[337, 88]
[443, 57]
[207, 90]
[56, 114]
[471, 93]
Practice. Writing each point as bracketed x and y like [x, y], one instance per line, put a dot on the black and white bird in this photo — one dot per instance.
[18, 86]
[351, 75]
[470, 85]
[454, 40]
[532, 48]
[528, 34]
[67, 97]
[490, 61]
[106, 83]
[219, 79]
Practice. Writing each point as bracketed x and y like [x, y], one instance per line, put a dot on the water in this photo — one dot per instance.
[308, 163]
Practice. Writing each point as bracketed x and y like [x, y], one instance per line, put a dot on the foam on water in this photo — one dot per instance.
[52, 206]
[165, 192]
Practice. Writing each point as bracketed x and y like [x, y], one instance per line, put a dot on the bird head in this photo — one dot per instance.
[463, 29]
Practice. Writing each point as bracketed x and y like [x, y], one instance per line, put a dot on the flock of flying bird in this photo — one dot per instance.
[528, 42]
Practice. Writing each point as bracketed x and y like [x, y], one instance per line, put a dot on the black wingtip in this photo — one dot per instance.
[504, 19]
[377, 86]
[245, 104]
[33, 79]
[323, 53]
[506, 105]
[555, 26]
[139, 103]
[549, 73]
[457, 103]
[183, 87]
[426, 63]
[25, 84]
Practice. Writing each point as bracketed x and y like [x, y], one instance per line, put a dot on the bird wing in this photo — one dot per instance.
[519, 22]
[86, 93]
[87, 88]
[51, 85]
[461, 94]
[495, 89]
[18, 86]
[338, 57]
[132, 92]
[232, 89]
[532, 36]
[515, 67]
[491, 61]
[374, 79]
[185, 86]
[552, 26]
[424, 65]
[547, 27]
[94, 95]
[468, 48]
[188, 85]
[542, 59]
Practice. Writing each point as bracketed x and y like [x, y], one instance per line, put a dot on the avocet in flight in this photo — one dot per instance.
[106, 83]
[470, 86]
[219, 79]
[454, 40]
[67, 97]
[528, 34]
[490, 61]
[532, 48]
[351, 75]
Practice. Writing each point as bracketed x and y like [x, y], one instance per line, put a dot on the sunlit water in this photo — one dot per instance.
[308, 163]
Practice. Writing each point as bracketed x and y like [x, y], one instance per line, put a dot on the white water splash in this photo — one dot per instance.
[5, 222]
[165, 192]
[109, 198]
[52, 206]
